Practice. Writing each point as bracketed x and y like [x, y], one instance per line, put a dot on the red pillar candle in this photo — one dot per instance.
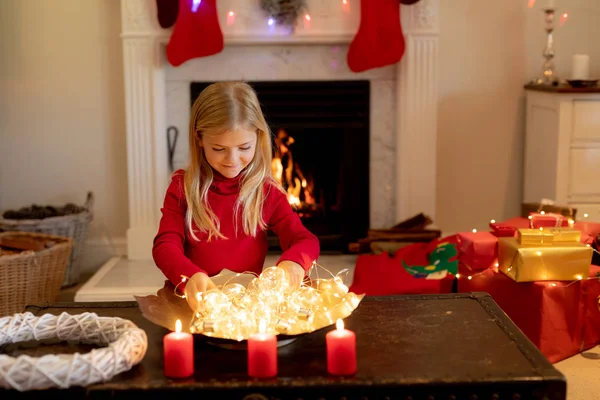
[262, 354]
[341, 350]
[178, 353]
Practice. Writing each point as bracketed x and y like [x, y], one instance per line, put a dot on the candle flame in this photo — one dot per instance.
[493, 221]
[339, 324]
[178, 326]
[262, 326]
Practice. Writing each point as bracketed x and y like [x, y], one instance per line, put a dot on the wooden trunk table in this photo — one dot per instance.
[417, 347]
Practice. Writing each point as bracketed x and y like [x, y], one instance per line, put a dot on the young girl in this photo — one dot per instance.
[217, 212]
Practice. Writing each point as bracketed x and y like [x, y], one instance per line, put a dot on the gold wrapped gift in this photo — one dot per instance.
[548, 236]
[561, 261]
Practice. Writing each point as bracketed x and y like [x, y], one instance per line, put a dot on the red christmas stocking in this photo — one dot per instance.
[166, 11]
[197, 32]
[379, 40]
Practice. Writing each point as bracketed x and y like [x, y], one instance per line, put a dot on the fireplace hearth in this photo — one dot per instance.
[321, 153]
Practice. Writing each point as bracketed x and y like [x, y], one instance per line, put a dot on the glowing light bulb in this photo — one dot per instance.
[553, 284]
[271, 22]
[474, 230]
[497, 265]
[230, 18]
[469, 277]
[585, 215]
[579, 277]
[195, 5]
[457, 276]
[307, 17]
[539, 253]
[492, 221]
[344, 2]
[542, 212]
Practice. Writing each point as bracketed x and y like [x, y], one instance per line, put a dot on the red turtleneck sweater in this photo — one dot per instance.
[176, 253]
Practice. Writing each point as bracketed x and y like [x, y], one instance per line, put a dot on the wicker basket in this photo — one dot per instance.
[32, 277]
[74, 226]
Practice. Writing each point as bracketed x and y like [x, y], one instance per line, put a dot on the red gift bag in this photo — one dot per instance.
[380, 275]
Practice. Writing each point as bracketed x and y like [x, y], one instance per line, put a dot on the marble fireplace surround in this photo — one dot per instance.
[403, 99]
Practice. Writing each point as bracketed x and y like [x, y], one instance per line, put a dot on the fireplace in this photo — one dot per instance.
[321, 153]
[403, 101]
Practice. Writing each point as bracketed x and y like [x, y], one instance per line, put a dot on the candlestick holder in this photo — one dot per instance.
[549, 76]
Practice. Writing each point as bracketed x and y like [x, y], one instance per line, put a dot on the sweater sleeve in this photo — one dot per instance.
[168, 248]
[297, 242]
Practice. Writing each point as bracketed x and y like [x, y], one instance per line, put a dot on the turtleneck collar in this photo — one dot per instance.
[225, 186]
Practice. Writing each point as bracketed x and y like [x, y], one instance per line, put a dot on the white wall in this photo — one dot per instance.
[488, 51]
[62, 115]
[62, 121]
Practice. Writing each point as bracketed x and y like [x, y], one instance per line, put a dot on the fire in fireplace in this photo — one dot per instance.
[321, 154]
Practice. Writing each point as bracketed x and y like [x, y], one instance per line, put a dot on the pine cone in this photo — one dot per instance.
[71, 208]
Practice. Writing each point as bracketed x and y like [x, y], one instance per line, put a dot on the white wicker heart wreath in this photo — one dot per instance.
[126, 342]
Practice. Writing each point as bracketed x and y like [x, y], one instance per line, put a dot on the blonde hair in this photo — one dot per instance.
[220, 108]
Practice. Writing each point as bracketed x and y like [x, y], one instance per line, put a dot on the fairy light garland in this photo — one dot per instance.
[234, 311]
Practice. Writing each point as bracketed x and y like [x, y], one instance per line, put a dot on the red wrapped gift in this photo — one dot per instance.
[548, 220]
[477, 250]
[501, 230]
[381, 275]
[561, 318]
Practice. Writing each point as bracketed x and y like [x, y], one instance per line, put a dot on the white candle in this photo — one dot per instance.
[581, 67]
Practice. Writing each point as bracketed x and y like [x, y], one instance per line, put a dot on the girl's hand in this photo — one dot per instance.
[199, 282]
[294, 272]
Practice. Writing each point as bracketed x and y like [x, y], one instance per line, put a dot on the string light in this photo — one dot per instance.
[230, 18]
[563, 19]
[474, 230]
[233, 311]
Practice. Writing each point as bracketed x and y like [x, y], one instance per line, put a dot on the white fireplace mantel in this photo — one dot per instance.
[145, 98]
